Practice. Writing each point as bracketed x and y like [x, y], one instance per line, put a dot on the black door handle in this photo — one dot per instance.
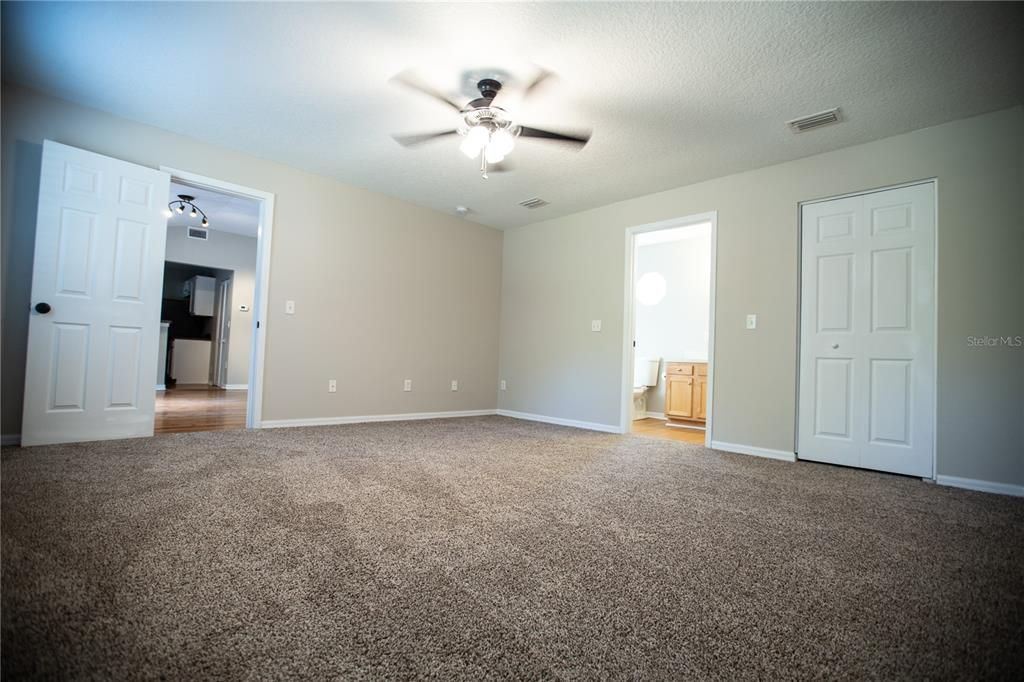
[43, 308]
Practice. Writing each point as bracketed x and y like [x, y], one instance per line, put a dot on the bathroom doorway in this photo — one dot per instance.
[668, 366]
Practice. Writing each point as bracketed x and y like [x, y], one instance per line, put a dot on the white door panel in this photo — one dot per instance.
[867, 331]
[100, 239]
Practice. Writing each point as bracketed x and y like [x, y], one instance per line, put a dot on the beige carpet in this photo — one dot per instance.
[489, 547]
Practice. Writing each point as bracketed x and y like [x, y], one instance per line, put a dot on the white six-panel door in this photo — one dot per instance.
[867, 331]
[100, 239]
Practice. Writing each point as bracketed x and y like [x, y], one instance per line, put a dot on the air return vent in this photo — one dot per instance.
[822, 118]
[198, 233]
[535, 202]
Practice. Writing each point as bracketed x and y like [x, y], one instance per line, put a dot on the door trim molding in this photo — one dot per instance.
[629, 318]
[935, 322]
[257, 353]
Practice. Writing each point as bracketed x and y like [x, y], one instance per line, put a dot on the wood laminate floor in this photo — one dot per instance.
[656, 428]
[199, 408]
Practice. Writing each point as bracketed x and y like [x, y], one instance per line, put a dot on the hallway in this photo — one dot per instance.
[197, 407]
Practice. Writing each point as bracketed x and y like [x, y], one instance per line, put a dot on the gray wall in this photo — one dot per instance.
[560, 274]
[384, 290]
[225, 250]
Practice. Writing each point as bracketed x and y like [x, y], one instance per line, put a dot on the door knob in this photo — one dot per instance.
[43, 308]
[835, 345]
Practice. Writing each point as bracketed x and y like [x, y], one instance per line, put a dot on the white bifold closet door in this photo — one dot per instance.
[867, 331]
[97, 282]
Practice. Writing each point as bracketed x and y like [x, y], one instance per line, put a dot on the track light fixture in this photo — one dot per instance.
[178, 206]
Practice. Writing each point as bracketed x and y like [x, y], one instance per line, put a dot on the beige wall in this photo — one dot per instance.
[560, 274]
[224, 250]
[384, 290]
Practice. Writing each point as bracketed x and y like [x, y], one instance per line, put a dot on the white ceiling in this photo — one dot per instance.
[675, 92]
[226, 213]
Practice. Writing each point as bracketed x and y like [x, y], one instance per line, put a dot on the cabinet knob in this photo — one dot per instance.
[835, 346]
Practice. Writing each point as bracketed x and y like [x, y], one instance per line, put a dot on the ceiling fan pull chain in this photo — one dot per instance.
[483, 165]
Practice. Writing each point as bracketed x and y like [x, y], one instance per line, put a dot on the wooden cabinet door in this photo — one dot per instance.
[679, 396]
[700, 397]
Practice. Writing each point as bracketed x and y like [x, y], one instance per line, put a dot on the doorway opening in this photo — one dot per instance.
[668, 350]
[209, 372]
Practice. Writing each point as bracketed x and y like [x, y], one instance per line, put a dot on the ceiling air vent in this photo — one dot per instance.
[822, 118]
[198, 233]
[535, 202]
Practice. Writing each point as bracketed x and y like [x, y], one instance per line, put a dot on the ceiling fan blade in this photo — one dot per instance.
[538, 80]
[520, 94]
[408, 80]
[420, 138]
[578, 139]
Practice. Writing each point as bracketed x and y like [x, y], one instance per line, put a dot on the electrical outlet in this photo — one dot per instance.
[455, 384]
[289, 307]
[504, 385]
[408, 385]
[751, 321]
[332, 385]
[595, 325]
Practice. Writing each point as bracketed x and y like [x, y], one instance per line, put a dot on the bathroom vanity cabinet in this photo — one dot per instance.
[686, 392]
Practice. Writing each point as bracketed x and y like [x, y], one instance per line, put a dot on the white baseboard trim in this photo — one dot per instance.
[332, 421]
[576, 424]
[161, 387]
[236, 387]
[655, 415]
[982, 486]
[752, 450]
[10, 439]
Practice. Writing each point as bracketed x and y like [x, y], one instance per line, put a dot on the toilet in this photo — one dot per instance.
[645, 376]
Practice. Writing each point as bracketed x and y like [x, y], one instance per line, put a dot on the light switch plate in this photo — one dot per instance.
[408, 385]
[751, 321]
[289, 307]
[595, 325]
[243, 308]
[332, 385]
[455, 384]
[504, 385]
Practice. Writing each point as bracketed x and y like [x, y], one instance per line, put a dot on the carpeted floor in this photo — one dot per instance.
[489, 547]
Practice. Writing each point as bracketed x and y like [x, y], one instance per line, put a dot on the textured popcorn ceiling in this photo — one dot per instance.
[675, 92]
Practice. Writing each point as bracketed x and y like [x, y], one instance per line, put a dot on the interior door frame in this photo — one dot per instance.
[935, 287]
[220, 353]
[629, 317]
[257, 354]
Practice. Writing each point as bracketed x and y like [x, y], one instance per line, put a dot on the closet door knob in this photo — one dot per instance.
[43, 308]
[835, 346]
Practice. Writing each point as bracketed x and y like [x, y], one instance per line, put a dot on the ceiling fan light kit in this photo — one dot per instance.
[488, 131]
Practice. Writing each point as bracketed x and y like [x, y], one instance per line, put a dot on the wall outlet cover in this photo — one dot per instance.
[751, 321]
[332, 385]
[407, 386]
[595, 325]
[504, 385]
[289, 307]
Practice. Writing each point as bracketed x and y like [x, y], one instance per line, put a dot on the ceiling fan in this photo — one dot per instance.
[488, 131]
